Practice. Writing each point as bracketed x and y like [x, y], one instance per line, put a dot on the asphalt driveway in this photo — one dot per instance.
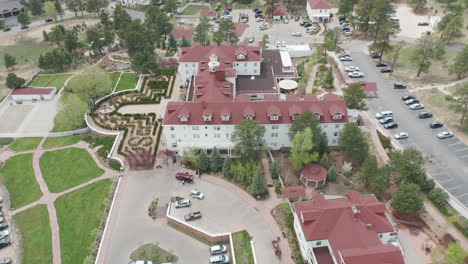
[451, 154]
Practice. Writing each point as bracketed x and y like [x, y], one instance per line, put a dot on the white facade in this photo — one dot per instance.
[318, 15]
[134, 3]
[187, 70]
[31, 97]
[180, 138]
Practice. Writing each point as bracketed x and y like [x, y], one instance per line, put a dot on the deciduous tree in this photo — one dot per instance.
[439, 196]
[460, 63]
[363, 13]
[72, 111]
[51, 10]
[170, 7]
[202, 32]
[450, 27]
[408, 166]
[428, 48]
[455, 253]
[381, 182]
[309, 119]
[302, 149]
[57, 35]
[354, 96]
[332, 38]
[353, 143]
[248, 139]
[36, 7]
[418, 5]
[120, 17]
[346, 6]
[10, 61]
[23, 18]
[55, 60]
[144, 62]
[216, 162]
[13, 81]
[92, 84]
[71, 41]
[459, 101]
[369, 170]
[407, 199]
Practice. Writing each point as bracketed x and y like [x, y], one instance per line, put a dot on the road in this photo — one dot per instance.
[451, 154]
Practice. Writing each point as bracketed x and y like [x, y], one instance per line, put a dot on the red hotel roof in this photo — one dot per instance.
[226, 53]
[259, 109]
[314, 172]
[319, 4]
[32, 91]
[350, 224]
[240, 29]
[180, 32]
[208, 13]
[280, 10]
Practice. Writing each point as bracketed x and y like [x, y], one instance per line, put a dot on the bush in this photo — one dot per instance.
[331, 176]
[439, 196]
[385, 141]
[274, 170]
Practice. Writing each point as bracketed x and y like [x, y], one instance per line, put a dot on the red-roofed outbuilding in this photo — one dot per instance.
[314, 173]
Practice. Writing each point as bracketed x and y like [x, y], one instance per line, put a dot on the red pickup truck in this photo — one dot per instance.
[192, 216]
[184, 176]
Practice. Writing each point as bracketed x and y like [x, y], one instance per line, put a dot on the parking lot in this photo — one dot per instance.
[277, 31]
[409, 23]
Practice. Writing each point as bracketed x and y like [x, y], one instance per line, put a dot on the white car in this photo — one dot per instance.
[356, 74]
[416, 106]
[259, 19]
[383, 114]
[286, 21]
[311, 29]
[351, 69]
[197, 194]
[251, 39]
[141, 262]
[220, 259]
[386, 120]
[244, 20]
[444, 135]
[401, 135]
[183, 203]
[218, 249]
[284, 43]
[296, 34]
[346, 58]
[348, 34]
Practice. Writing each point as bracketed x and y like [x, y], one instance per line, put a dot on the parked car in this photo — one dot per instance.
[423, 23]
[4, 233]
[386, 120]
[307, 25]
[344, 55]
[381, 64]
[197, 194]
[391, 125]
[386, 69]
[228, 9]
[259, 19]
[2, 219]
[424, 115]
[183, 203]
[399, 85]
[348, 58]
[244, 20]
[356, 74]
[184, 176]
[351, 69]
[220, 259]
[401, 135]
[5, 261]
[436, 125]
[284, 43]
[444, 135]
[255, 9]
[24, 27]
[296, 18]
[5, 242]
[383, 114]
[251, 39]
[374, 55]
[296, 34]
[7, 29]
[141, 262]
[192, 216]
[407, 97]
[286, 21]
[417, 106]
[3, 226]
[395, 19]
[218, 249]
[49, 20]
[346, 29]
[258, 15]
[348, 34]
[412, 101]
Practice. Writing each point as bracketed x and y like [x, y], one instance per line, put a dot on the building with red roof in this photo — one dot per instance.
[318, 10]
[33, 93]
[355, 229]
[181, 32]
[314, 175]
[208, 13]
[369, 87]
[280, 11]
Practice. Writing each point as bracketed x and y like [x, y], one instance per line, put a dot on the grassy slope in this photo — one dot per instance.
[242, 248]
[51, 81]
[18, 176]
[36, 237]
[128, 81]
[79, 215]
[26, 53]
[23, 144]
[61, 141]
[66, 168]
[61, 124]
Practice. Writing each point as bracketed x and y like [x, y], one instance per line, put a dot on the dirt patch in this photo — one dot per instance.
[289, 175]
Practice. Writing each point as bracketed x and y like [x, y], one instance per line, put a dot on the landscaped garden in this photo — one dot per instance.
[128, 81]
[35, 235]
[242, 247]
[153, 253]
[23, 144]
[66, 168]
[53, 142]
[50, 80]
[193, 10]
[18, 176]
[285, 220]
[80, 214]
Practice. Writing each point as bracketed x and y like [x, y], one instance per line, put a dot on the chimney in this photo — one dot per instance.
[213, 63]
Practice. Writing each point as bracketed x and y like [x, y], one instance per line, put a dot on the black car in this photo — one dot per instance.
[381, 64]
[6, 29]
[346, 29]
[342, 18]
[255, 10]
[424, 115]
[391, 125]
[399, 85]
[386, 69]
[5, 242]
[49, 20]
[375, 56]
[436, 125]
[258, 15]
[3, 226]
[259, 12]
[423, 24]
[407, 97]
[23, 27]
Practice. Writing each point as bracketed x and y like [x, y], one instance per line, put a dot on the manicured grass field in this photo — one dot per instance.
[23, 144]
[63, 122]
[18, 176]
[79, 215]
[114, 77]
[5, 141]
[36, 237]
[51, 81]
[54, 142]
[153, 253]
[193, 10]
[66, 168]
[26, 52]
[128, 81]
[242, 248]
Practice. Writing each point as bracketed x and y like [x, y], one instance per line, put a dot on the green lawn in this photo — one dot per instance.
[79, 215]
[114, 77]
[5, 141]
[36, 237]
[62, 121]
[23, 144]
[54, 142]
[51, 81]
[18, 176]
[128, 81]
[66, 168]
[26, 52]
[242, 248]
[153, 253]
[193, 10]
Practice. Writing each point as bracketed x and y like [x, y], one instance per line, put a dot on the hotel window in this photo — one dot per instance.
[196, 135]
[207, 118]
[172, 136]
[337, 126]
[225, 117]
[295, 117]
[217, 128]
[195, 128]
[337, 116]
[172, 128]
[245, 64]
[174, 145]
[274, 127]
[183, 119]
[335, 134]
[274, 134]
[227, 135]
[318, 243]
[274, 117]
[186, 64]
[255, 71]
[193, 65]
[217, 135]
[249, 117]
[334, 141]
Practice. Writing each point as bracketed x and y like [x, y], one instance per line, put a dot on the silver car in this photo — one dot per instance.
[444, 135]
[183, 203]
[218, 249]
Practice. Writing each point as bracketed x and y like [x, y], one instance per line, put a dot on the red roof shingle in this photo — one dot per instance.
[226, 53]
[293, 192]
[280, 10]
[32, 91]
[208, 13]
[180, 32]
[319, 4]
[314, 172]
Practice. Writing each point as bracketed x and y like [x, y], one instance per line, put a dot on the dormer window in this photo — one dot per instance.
[318, 116]
[295, 117]
[225, 117]
[274, 117]
[249, 117]
[206, 118]
[183, 118]
[337, 116]
[241, 56]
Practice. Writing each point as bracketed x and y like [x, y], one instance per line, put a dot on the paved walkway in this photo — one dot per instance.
[49, 198]
[442, 88]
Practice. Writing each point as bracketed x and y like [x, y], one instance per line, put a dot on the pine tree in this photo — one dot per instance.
[10, 61]
[203, 162]
[227, 172]
[324, 161]
[258, 182]
[216, 162]
[185, 42]
[331, 175]
[274, 170]
[172, 43]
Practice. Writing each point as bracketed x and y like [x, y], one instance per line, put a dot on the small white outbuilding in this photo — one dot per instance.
[30, 94]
